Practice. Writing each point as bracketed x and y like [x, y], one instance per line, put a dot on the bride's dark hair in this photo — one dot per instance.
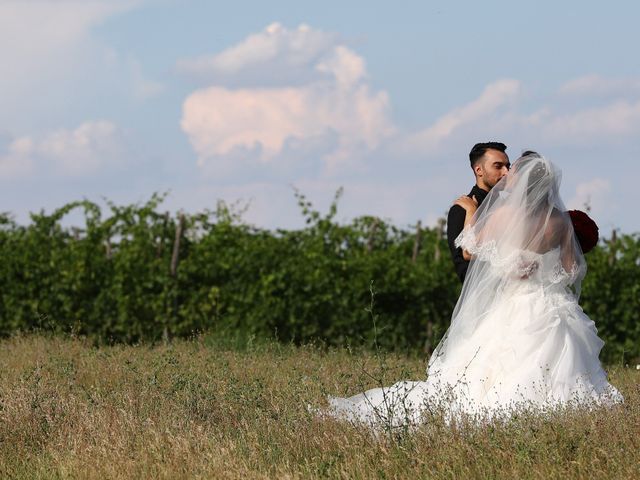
[539, 178]
[539, 174]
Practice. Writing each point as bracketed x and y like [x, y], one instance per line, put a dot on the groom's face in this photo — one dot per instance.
[493, 165]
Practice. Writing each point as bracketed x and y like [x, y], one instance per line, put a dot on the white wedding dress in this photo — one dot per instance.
[518, 338]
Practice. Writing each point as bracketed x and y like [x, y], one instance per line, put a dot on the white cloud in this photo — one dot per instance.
[51, 57]
[275, 55]
[498, 113]
[344, 65]
[35, 35]
[338, 111]
[496, 96]
[85, 150]
[218, 120]
[593, 194]
[16, 162]
[598, 85]
[143, 87]
[606, 123]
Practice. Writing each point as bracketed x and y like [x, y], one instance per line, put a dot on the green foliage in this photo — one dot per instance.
[141, 275]
[611, 295]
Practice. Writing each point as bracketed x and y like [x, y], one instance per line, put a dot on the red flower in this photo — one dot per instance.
[585, 228]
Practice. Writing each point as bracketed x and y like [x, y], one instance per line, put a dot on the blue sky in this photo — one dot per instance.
[246, 100]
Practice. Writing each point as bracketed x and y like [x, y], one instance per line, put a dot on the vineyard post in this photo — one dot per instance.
[107, 248]
[439, 233]
[372, 234]
[176, 246]
[160, 246]
[175, 259]
[612, 247]
[416, 242]
[427, 343]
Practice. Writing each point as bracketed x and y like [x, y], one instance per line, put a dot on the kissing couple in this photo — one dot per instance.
[518, 339]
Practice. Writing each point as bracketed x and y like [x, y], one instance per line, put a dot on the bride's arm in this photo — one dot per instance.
[470, 206]
[568, 254]
[558, 235]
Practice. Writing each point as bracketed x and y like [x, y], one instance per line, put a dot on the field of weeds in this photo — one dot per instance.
[205, 409]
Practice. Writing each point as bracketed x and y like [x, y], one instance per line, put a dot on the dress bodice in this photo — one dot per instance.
[533, 268]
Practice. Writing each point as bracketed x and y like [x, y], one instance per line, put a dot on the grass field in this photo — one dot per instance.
[206, 409]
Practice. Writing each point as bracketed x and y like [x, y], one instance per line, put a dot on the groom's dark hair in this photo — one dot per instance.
[479, 149]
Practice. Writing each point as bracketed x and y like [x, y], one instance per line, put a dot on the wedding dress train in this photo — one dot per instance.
[536, 348]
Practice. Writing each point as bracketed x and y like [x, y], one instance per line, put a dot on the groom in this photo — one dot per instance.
[489, 163]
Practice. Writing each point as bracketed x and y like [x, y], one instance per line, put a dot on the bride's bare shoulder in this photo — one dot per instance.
[558, 219]
[504, 212]
[557, 225]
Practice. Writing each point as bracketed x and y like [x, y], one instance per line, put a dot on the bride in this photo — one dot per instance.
[518, 338]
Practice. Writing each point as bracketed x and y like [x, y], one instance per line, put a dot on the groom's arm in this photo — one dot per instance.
[455, 224]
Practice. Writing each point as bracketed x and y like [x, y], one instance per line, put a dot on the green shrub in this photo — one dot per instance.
[141, 275]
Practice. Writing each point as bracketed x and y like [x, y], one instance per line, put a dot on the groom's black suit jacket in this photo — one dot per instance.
[455, 224]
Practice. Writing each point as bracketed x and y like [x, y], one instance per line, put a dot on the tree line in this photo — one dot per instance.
[140, 274]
